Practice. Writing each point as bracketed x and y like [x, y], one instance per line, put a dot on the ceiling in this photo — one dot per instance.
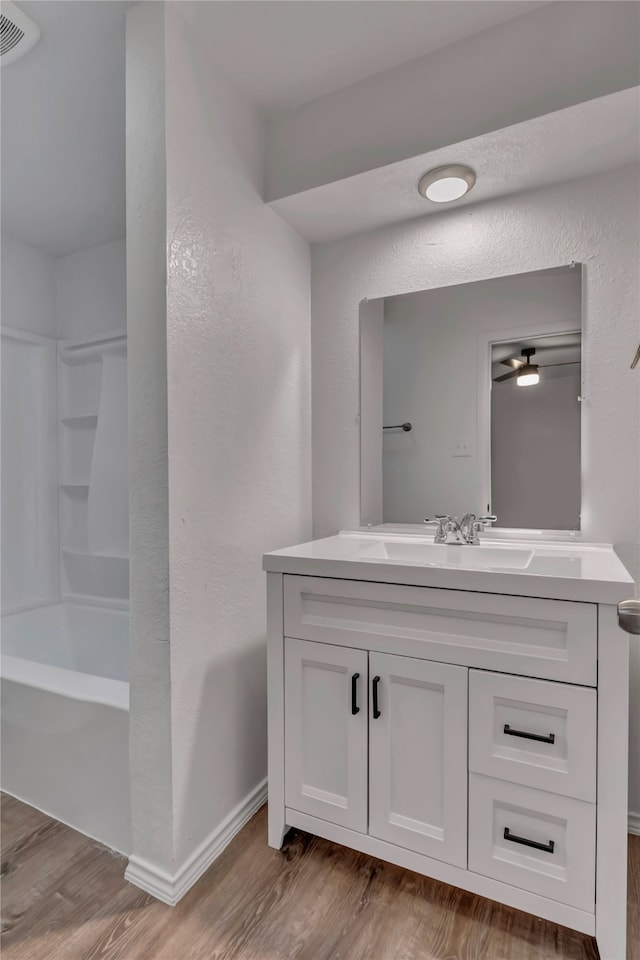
[554, 347]
[562, 354]
[63, 120]
[63, 128]
[62, 105]
[283, 53]
[598, 135]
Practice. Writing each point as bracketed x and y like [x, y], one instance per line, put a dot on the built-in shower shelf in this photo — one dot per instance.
[95, 339]
[82, 599]
[92, 429]
[95, 574]
[96, 556]
[73, 351]
[82, 420]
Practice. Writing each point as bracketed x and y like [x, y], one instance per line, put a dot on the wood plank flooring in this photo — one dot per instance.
[64, 898]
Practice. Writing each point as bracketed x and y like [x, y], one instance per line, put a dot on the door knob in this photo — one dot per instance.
[629, 616]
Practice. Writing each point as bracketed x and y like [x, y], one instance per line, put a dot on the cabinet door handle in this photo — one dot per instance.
[529, 736]
[376, 711]
[545, 847]
[354, 694]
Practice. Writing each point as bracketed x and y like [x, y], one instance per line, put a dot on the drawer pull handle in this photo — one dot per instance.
[545, 847]
[529, 736]
[376, 710]
[354, 694]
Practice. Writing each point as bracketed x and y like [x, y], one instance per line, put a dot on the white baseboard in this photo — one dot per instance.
[170, 888]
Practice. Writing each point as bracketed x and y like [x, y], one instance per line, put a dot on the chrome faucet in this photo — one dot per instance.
[467, 530]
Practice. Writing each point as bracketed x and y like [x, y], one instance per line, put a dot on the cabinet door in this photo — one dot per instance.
[418, 756]
[325, 716]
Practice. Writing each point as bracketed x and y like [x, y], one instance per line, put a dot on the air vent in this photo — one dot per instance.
[10, 35]
[18, 34]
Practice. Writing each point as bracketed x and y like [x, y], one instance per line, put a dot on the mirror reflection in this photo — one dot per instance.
[480, 402]
[535, 432]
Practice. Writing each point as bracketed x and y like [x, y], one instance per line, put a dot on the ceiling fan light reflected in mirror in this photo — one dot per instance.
[444, 184]
[526, 373]
[528, 376]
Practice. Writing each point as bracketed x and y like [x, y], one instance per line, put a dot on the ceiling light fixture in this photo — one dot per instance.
[528, 376]
[444, 184]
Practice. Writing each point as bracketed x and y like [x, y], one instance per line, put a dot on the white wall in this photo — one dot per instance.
[69, 297]
[549, 58]
[91, 288]
[239, 426]
[30, 546]
[150, 711]
[29, 472]
[535, 451]
[593, 220]
[237, 455]
[371, 401]
[28, 288]
[75, 296]
[432, 341]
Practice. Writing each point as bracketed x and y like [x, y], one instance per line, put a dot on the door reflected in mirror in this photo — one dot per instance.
[470, 402]
[535, 432]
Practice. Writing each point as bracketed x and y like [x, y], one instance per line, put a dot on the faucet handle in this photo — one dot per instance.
[441, 520]
[477, 525]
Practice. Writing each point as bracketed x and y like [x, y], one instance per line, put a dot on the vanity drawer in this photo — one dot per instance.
[533, 840]
[533, 732]
[553, 639]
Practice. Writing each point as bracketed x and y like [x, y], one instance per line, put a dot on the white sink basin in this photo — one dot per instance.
[564, 570]
[463, 556]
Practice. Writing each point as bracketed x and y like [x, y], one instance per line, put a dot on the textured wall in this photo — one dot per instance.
[239, 408]
[593, 220]
[552, 57]
[150, 730]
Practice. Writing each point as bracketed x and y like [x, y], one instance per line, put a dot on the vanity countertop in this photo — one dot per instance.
[555, 570]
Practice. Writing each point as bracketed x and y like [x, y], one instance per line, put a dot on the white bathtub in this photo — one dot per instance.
[65, 716]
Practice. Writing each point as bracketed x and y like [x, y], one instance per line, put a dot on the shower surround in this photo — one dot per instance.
[65, 619]
[65, 716]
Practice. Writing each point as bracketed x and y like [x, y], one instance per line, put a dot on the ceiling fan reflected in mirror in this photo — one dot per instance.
[527, 374]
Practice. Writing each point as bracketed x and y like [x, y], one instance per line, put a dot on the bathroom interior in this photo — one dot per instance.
[320, 476]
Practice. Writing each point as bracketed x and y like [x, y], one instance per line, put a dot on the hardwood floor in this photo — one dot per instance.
[64, 898]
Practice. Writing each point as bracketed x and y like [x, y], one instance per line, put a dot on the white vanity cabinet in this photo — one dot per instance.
[325, 738]
[378, 744]
[418, 756]
[476, 737]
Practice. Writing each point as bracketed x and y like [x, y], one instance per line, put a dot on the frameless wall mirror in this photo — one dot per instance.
[470, 402]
